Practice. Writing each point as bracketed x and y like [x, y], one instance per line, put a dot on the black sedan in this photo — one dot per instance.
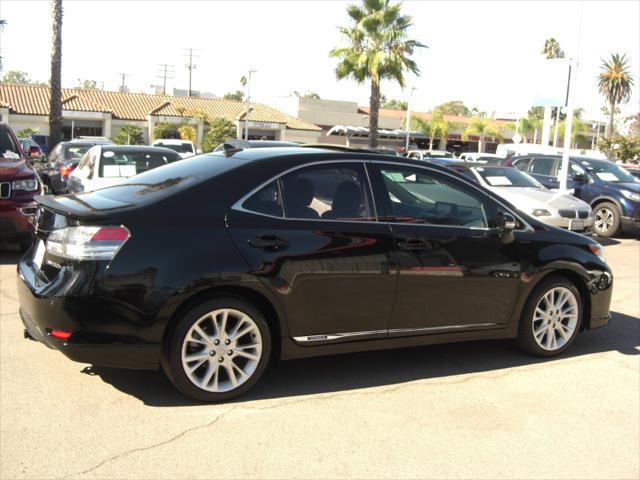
[212, 266]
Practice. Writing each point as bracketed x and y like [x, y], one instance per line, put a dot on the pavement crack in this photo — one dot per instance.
[149, 447]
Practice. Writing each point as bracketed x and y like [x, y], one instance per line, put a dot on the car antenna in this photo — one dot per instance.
[229, 149]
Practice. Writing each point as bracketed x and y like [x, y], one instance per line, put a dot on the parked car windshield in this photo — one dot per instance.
[9, 150]
[607, 171]
[177, 147]
[506, 177]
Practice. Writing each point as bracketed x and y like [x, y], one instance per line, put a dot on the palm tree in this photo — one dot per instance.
[552, 49]
[378, 49]
[579, 129]
[482, 128]
[432, 127]
[615, 83]
[55, 105]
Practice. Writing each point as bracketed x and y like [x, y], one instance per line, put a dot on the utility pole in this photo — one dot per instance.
[248, 108]
[166, 71]
[408, 125]
[190, 66]
[123, 86]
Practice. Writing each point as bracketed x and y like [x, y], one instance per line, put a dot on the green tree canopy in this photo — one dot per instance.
[220, 130]
[620, 147]
[454, 107]
[129, 134]
[238, 95]
[552, 49]
[378, 48]
[165, 130]
[87, 84]
[25, 132]
[482, 128]
[16, 76]
[308, 94]
[394, 104]
[615, 84]
[436, 126]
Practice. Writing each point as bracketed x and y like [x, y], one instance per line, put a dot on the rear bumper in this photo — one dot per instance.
[630, 224]
[93, 339]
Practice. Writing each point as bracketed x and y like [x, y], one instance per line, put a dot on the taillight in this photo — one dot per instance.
[87, 243]
[66, 170]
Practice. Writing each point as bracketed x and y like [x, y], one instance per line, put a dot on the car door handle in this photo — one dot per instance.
[271, 242]
[415, 244]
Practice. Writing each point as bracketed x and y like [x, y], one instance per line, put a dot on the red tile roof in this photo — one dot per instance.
[34, 100]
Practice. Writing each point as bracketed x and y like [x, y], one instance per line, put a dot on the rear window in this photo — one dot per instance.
[168, 179]
[75, 152]
[9, 149]
[127, 164]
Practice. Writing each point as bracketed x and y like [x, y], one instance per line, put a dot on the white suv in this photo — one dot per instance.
[185, 148]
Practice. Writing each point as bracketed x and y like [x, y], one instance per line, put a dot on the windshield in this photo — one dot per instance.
[506, 177]
[75, 152]
[180, 147]
[606, 171]
[9, 150]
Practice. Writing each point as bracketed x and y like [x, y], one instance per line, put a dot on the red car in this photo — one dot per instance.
[19, 183]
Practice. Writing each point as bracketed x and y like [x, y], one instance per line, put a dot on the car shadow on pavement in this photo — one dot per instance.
[8, 255]
[340, 373]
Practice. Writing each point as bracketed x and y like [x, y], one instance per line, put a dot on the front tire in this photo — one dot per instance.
[218, 350]
[551, 318]
[606, 220]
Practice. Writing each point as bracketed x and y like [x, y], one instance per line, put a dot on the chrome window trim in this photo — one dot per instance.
[237, 206]
[325, 337]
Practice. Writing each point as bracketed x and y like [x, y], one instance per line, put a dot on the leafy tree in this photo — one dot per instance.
[634, 128]
[16, 76]
[187, 132]
[454, 107]
[309, 94]
[26, 132]
[552, 49]
[394, 104]
[378, 48]
[476, 112]
[129, 134]
[626, 148]
[220, 130]
[55, 103]
[238, 95]
[579, 129]
[482, 128]
[526, 126]
[165, 130]
[615, 83]
[87, 84]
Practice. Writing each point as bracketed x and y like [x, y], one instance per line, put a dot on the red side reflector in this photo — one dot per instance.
[111, 233]
[61, 334]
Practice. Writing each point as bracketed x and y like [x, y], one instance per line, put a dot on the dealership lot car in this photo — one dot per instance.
[552, 208]
[213, 265]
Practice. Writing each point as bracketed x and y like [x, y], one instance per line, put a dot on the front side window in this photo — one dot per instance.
[419, 197]
[543, 166]
[328, 192]
[522, 164]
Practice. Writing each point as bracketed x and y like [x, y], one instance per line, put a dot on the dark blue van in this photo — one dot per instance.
[612, 192]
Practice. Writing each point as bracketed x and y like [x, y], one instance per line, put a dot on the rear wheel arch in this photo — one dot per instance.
[258, 300]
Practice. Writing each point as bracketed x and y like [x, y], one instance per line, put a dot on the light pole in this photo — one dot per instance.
[408, 125]
[248, 108]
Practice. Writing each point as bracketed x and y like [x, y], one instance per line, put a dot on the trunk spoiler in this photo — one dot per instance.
[76, 207]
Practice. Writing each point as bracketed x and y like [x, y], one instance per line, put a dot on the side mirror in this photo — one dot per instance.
[199, 151]
[580, 178]
[506, 225]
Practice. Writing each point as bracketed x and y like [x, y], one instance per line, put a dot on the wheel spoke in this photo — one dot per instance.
[233, 332]
[242, 332]
[232, 375]
[248, 355]
[203, 335]
[197, 365]
[211, 370]
[196, 356]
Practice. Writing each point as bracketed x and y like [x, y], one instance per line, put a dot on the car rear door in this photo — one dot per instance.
[454, 272]
[545, 170]
[312, 237]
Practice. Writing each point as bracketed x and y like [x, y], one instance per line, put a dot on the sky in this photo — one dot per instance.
[485, 53]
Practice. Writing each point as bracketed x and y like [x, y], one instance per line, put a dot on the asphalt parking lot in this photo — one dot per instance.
[471, 410]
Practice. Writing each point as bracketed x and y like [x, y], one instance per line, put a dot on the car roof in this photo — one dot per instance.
[136, 148]
[171, 141]
[577, 158]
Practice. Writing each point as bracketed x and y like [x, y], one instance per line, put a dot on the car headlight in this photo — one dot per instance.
[631, 195]
[27, 185]
[541, 212]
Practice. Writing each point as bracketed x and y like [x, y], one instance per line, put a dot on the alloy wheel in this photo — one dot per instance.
[604, 220]
[555, 318]
[221, 350]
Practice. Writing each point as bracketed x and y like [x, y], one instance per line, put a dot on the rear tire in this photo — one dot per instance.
[551, 318]
[606, 219]
[218, 350]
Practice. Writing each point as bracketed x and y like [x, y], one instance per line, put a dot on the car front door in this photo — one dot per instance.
[312, 238]
[545, 170]
[454, 272]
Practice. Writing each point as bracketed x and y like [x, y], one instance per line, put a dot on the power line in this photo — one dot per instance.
[123, 87]
[166, 71]
[190, 66]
